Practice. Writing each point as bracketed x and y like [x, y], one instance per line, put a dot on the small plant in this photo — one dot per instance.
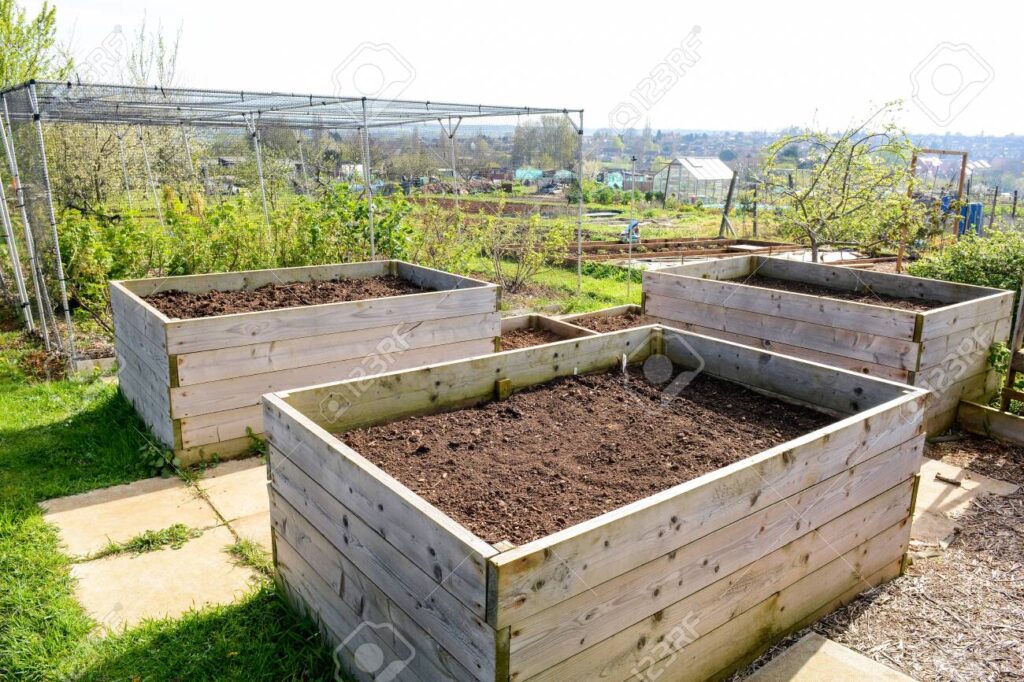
[173, 536]
[259, 445]
[251, 554]
[161, 462]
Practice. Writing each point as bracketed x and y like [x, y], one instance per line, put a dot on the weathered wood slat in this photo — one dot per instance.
[890, 284]
[128, 307]
[704, 612]
[358, 600]
[254, 279]
[214, 427]
[391, 396]
[811, 383]
[221, 450]
[260, 358]
[533, 321]
[614, 311]
[841, 361]
[209, 333]
[881, 350]
[725, 268]
[692, 655]
[545, 572]
[599, 612]
[990, 422]
[228, 394]
[858, 317]
[461, 635]
[432, 541]
[966, 315]
[944, 348]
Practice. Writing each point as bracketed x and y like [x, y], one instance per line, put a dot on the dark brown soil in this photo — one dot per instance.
[574, 448]
[613, 324]
[524, 338]
[184, 305]
[871, 297]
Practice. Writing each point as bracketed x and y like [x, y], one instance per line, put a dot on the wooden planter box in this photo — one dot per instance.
[197, 382]
[615, 311]
[534, 321]
[690, 582]
[944, 349]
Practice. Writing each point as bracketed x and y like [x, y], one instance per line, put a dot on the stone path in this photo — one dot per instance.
[228, 502]
[816, 658]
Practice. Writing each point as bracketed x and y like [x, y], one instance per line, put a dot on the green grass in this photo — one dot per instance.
[64, 437]
[173, 536]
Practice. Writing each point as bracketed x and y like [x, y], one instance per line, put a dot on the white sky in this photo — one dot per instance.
[762, 65]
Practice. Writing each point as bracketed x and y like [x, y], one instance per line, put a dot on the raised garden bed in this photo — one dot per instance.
[610, 319]
[196, 371]
[524, 331]
[918, 331]
[762, 524]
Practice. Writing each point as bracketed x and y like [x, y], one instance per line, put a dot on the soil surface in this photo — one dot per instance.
[524, 338]
[614, 323]
[915, 304]
[184, 305]
[959, 615]
[550, 457]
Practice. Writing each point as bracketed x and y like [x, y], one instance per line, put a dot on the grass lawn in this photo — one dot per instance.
[63, 437]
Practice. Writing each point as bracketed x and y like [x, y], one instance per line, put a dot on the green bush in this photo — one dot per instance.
[996, 260]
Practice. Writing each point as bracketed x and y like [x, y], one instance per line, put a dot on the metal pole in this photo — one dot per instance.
[960, 193]
[25, 308]
[124, 169]
[53, 226]
[149, 179]
[255, 132]
[629, 230]
[302, 162]
[188, 154]
[30, 242]
[368, 183]
[450, 131]
[1013, 210]
[992, 218]
[579, 212]
[755, 208]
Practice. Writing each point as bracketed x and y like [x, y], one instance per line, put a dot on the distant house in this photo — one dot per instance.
[694, 177]
[528, 174]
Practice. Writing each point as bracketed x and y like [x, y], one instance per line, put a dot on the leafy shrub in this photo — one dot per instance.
[520, 248]
[996, 260]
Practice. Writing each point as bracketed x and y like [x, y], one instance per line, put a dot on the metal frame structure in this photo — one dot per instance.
[125, 106]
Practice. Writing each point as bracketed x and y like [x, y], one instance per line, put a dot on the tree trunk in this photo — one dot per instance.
[814, 250]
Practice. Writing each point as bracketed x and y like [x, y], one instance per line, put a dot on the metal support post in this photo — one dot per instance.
[149, 180]
[188, 154]
[124, 168]
[368, 182]
[254, 132]
[450, 132]
[42, 296]
[629, 231]
[53, 227]
[24, 306]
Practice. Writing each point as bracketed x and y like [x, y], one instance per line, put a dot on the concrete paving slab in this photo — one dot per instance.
[90, 521]
[237, 488]
[125, 589]
[255, 527]
[945, 492]
[814, 658]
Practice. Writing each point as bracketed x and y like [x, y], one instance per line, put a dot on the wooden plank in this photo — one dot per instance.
[253, 279]
[891, 284]
[360, 603]
[209, 333]
[213, 427]
[953, 318]
[725, 268]
[147, 393]
[936, 423]
[578, 623]
[881, 350]
[542, 573]
[968, 388]
[861, 317]
[227, 394]
[705, 611]
[942, 348]
[127, 306]
[563, 329]
[838, 390]
[437, 280]
[438, 545]
[219, 451]
[793, 609]
[990, 422]
[463, 636]
[259, 358]
[396, 395]
[841, 361]
[614, 311]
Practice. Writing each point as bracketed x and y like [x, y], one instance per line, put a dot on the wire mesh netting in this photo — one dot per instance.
[181, 181]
